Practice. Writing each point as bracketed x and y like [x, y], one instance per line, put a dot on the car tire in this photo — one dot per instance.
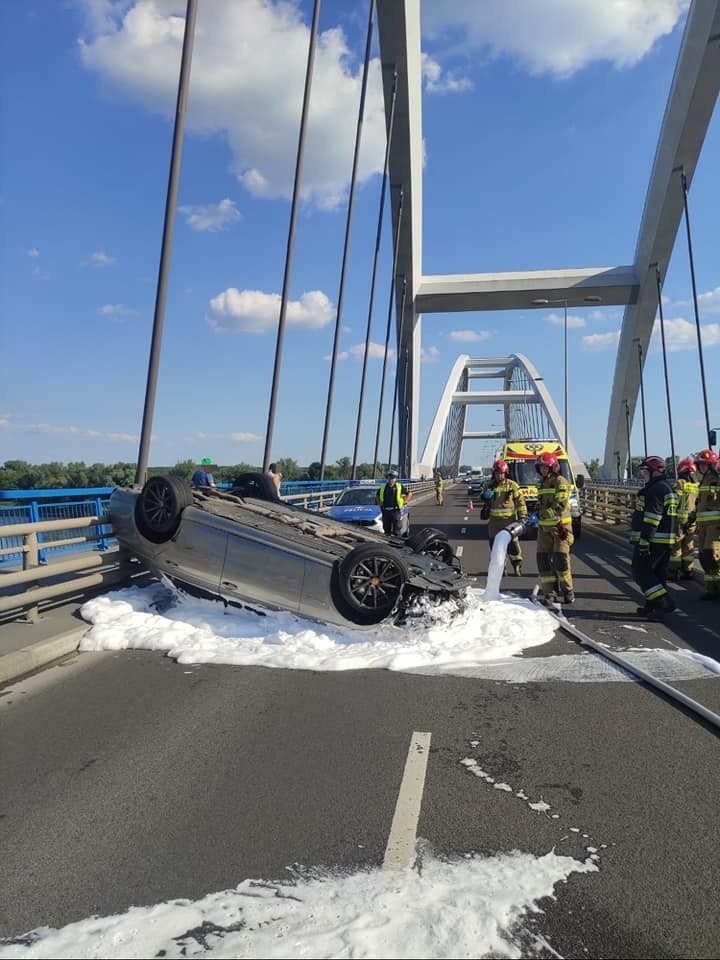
[159, 507]
[433, 543]
[371, 579]
[577, 527]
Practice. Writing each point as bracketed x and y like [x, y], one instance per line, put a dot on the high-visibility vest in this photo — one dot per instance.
[400, 498]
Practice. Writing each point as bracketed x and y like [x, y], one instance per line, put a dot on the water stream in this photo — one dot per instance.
[497, 565]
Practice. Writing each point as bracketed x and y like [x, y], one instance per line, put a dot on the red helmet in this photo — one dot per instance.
[653, 463]
[548, 460]
[709, 457]
[500, 465]
[687, 466]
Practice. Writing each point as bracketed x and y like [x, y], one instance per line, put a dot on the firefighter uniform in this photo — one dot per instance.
[683, 551]
[507, 503]
[555, 537]
[708, 525]
[653, 531]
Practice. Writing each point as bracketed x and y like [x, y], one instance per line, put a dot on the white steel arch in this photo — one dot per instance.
[529, 410]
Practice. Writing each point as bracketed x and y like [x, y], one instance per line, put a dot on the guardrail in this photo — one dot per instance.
[114, 568]
[612, 503]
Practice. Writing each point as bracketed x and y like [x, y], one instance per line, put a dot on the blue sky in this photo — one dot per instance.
[540, 125]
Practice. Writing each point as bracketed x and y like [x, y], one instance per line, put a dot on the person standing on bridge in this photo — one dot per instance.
[391, 499]
[683, 552]
[439, 488]
[653, 531]
[708, 521]
[505, 503]
[203, 476]
[555, 536]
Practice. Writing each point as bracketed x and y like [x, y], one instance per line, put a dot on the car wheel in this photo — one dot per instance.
[159, 507]
[433, 543]
[577, 527]
[371, 579]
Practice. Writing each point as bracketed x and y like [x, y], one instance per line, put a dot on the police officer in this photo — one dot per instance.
[708, 521]
[391, 499]
[653, 527]
[683, 552]
[555, 536]
[506, 502]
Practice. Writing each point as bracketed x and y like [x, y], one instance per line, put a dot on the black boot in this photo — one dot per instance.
[568, 596]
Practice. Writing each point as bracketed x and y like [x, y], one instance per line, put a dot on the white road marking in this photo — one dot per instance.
[459, 551]
[463, 529]
[401, 842]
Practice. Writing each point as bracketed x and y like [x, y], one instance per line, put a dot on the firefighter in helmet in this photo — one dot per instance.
[708, 521]
[555, 536]
[653, 530]
[683, 552]
[506, 503]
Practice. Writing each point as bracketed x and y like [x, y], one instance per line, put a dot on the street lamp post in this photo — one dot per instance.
[627, 427]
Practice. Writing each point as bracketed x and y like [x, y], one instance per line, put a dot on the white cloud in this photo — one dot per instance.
[243, 437]
[556, 37]
[470, 336]
[601, 341]
[123, 437]
[115, 310]
[429, 354]
[709, 302]
[436, 80]
[252, 311]
[681, 334]
[376, 351]
[4, 422]
[79, 431]
[33, 252]
[211, 216]
[248, 74]
[100, 259]
[572, 320]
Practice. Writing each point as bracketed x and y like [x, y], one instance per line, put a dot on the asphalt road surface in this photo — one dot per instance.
[130, 779]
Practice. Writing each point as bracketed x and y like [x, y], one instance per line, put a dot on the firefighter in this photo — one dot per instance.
[555, 536]
[653, 531]
[708, 521]
[683, 553]
[506, 503]
[439, 483]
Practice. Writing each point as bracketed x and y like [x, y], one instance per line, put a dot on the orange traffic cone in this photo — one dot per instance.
[470, 504]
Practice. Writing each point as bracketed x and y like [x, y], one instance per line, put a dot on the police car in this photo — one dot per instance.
[359, 505]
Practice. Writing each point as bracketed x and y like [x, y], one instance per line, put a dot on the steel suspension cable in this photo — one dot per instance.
[387, 331]
[291, 234]
[167, 237]
[346, 245]
[397, 370]
[667, 382]
[378, 238]
[683, 181]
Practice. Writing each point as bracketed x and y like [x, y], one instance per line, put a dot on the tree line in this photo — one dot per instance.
[21, 475]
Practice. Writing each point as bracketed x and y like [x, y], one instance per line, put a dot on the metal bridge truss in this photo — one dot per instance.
[529, 410]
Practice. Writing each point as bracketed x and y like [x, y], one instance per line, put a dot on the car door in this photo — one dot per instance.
[263, 568]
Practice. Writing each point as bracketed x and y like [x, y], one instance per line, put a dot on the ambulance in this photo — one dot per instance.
[521, 455]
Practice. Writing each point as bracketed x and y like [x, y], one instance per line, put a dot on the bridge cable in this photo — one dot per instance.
[291, 234]
[683, 181]
[667, 382]
[397, 371]
[167, 237]
[378, 238]
[346, 245]
[387, 331]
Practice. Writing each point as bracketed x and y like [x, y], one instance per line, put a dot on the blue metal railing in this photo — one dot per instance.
[32, 506]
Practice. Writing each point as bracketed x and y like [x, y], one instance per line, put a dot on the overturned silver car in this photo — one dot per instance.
[249, 547]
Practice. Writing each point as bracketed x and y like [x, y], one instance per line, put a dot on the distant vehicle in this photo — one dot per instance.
[249, 547]
[521, 456]
[476, 484]
[359, 505]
